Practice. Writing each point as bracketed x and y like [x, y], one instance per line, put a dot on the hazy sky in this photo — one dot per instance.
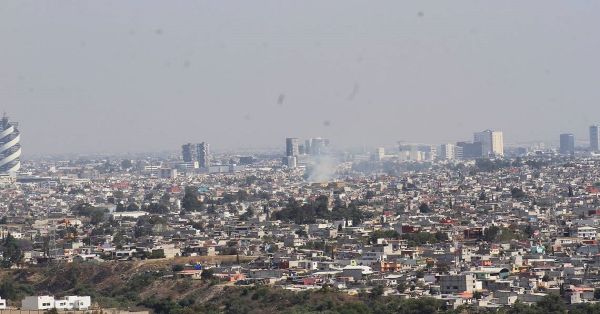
[118, 76]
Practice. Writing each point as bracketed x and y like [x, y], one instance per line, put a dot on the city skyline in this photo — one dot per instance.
[311, 156]
[489, 139]
[414, 71]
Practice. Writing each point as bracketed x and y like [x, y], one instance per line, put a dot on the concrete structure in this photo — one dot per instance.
[196, 153]
[189, 152]
[318, 146]
[567, 144]
[290, 161]
[204, 155]
[379, 153]
[492, 143]
[447, 152]
[292, 146]
[457, 283]
[78, 302]
[587, 233]
[469, 150]
[44, 302]
[595, 138]
[10, 147]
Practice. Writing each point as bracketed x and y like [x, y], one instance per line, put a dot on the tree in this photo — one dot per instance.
[133, 207]
[401, 287]
[517, 193]
[177, 267]
[370, 194]
[377, 291]
[546, 278]
[97, 216]
[207, 274]
[301, 233]
[597, 294]
[190, 200]
[552, 303]
[424, 208]
[441, 236]
[11, 252]
[491, 234]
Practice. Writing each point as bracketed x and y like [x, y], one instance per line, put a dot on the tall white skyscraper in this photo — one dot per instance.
[595, 138]
[492, 142]
[379, 153]
[10, 147]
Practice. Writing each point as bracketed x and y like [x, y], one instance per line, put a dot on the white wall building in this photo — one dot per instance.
[492, 142]
[79, 302]
[586, 232]
[44, 302]
[447, 152]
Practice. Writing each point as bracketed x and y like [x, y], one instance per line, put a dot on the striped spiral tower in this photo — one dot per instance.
[10, 147]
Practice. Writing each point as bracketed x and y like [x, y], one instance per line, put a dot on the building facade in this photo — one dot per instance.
[10, 147]
[567, 144]
[203, 152]
[189, 152]
[292, 146]
[595, 138]
[447, 152]
[492, 142]
[196, 153]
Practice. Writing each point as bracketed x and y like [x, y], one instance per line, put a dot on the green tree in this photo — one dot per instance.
[11, 252]
[552, 303]
[377, 291]
[207, 274]
[517, 193]
[424, 208]
[190, 200]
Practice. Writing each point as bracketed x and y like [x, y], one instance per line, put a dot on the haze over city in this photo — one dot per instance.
[116, 76]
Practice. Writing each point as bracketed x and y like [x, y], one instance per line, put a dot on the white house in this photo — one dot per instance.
[587, 232]
[79, 302]
[44, 302]
[48, 302]
[2, 304]
[61, 304]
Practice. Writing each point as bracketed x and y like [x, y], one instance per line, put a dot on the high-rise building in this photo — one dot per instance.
[307, 148]
[10, 147]
[189, 152]
[416, 152]
[492, 143]
[447, 152]
[290, 161]
[458, 152]
[595, 138]
[469, 150]
[200, 153]
[292, 146]
[203, 152]
[318, 146]
[567, 144]
[379, 154]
